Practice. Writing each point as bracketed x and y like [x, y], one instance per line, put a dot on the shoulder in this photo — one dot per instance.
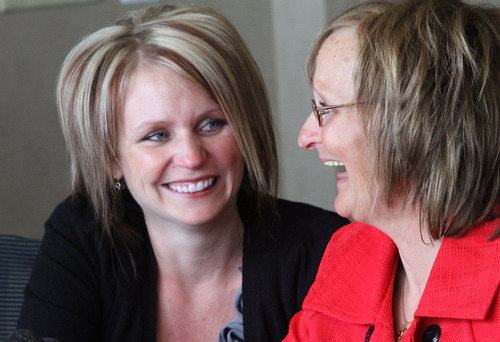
[307, 228]
[75, 218]
[71, 204]
[74, 225]
[301, 209]
[358, 239]
[303, 232]
[74, 228]
[73, 222]
[307, 218]
[73, 234]
[72, 211]
[298, 228]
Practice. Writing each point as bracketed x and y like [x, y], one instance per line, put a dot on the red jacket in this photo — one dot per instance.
[351, 298]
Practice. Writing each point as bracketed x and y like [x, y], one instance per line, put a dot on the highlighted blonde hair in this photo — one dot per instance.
[197, 43]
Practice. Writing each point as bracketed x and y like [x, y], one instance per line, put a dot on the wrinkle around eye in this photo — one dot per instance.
[326, 113]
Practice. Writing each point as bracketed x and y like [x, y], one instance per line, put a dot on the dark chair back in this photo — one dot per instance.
[16, 260]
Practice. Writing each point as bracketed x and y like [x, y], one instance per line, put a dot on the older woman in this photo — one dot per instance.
[174, 176]
[407, 100]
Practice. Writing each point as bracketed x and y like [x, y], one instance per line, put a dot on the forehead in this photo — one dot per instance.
[335, 63]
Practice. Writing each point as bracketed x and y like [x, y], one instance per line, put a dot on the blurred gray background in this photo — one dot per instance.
[34, 172]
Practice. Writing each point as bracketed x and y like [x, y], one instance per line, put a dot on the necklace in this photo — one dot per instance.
[406, 324]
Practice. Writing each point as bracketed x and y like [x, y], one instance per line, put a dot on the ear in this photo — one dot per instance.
[116, 170]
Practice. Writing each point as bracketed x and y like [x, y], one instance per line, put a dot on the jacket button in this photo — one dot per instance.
[432, 333]
[369, 334]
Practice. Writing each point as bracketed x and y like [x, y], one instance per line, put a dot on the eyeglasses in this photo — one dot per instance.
[321, 112]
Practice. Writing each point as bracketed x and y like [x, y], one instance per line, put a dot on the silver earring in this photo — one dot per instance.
[118, 185]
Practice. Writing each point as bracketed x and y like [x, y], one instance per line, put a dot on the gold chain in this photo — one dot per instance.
[402, 332]
[405, 323]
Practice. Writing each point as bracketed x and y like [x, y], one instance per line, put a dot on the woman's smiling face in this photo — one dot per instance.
[342, 138]
[176, 151]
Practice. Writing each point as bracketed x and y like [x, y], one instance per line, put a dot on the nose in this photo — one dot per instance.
[189, 152]
[309, 135]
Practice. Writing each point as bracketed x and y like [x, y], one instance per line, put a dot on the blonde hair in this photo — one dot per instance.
[198, 43]
[428, 78]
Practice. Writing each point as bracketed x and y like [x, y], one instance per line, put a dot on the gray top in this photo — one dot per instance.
[233, 330]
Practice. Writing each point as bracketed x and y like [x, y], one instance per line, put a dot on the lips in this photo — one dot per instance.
[192, 187]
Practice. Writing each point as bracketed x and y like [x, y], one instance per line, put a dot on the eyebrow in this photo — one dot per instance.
[152, 123]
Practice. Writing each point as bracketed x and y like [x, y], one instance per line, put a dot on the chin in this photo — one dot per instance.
[342, 210]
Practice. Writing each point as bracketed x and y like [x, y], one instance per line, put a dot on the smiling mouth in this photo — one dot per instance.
[333, 163]
[193, 187]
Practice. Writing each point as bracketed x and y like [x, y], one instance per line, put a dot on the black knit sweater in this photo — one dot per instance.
[78, 292]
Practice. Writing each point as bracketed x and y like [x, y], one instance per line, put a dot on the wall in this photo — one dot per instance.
[34, 172]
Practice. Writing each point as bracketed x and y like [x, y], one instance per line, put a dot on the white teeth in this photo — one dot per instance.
[193, 187]
[333, 163]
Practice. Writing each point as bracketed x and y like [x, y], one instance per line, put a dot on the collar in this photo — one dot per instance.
[356, 277]
[465, 276]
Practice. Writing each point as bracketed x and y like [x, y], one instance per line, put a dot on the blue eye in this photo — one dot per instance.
[157, 136]
[211, 126]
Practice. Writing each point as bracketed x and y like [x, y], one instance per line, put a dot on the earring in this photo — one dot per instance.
[118, 185]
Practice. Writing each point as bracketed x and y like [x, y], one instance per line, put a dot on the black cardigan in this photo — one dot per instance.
[78, 292]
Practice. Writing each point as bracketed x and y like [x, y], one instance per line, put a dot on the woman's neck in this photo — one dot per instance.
[198, 276]
[195, 254]
[417, 253]
[417, 250]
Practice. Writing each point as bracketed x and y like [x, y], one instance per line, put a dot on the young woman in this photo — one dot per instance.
[173, 231]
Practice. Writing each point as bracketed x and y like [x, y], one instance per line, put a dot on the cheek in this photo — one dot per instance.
[143, 165]
[235, 162]
[337, 141]
[231, 158]
[226, 148]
